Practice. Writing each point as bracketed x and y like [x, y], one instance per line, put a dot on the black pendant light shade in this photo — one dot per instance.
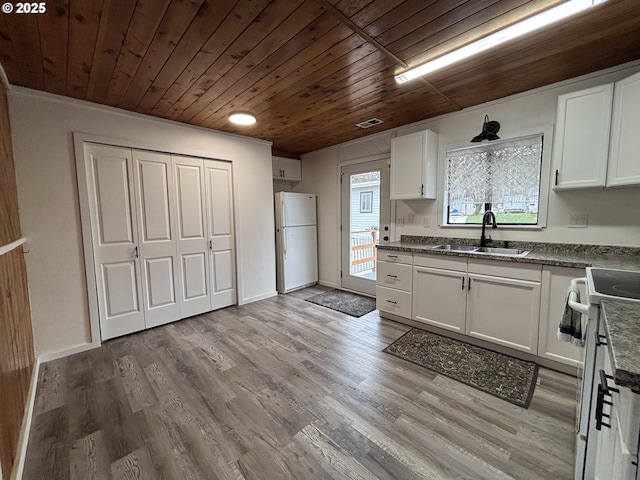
[489, 130]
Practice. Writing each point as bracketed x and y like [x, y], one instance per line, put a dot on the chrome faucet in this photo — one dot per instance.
[488, 216]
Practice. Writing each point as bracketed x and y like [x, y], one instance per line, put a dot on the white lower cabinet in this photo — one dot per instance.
[394, 283]
[503, 304]
[495, 301]
[440, 291]
[555, 281]
[490, 300]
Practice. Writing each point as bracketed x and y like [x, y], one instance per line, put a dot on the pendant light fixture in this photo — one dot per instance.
[489, 130]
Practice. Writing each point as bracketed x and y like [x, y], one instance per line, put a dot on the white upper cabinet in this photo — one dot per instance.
[582, 138]
[414, 161]
[624, 153]
[288, 169]
[597, 143]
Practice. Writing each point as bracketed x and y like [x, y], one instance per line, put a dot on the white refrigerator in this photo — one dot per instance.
[296, 241]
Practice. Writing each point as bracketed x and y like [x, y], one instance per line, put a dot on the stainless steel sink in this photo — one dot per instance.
[511, 252]
[456, 248]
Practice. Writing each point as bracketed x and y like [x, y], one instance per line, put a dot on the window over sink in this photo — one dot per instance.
[503, 176]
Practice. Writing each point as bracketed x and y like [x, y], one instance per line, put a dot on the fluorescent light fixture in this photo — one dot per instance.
[527, 25]
[242, 118]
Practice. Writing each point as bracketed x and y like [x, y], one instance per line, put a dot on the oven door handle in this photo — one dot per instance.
[572, 300]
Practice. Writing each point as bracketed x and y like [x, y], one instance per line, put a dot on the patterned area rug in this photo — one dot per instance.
[345, 302]
[506, 377]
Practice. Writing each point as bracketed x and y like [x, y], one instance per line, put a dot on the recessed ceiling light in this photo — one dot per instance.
[242, 118]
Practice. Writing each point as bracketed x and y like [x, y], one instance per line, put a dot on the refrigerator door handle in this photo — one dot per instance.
[284, 242]
[283, 212]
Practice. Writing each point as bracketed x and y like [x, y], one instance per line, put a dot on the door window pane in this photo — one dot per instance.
[364, 222]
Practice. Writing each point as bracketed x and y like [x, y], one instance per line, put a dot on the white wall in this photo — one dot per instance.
[614, 215]
[321, 177]
[42, 127]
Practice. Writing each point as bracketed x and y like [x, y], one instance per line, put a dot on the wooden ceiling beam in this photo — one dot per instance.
[369, 39]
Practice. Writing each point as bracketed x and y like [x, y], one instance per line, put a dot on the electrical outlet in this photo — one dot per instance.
[426, 222]
[400, 222]
[411, 218]
[578, 220]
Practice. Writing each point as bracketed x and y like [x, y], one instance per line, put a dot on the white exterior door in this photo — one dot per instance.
[193, 250]
[220, 233]
[366, 212]
[115, 240]
[156, 227]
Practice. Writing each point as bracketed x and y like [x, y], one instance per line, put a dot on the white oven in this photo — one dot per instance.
[601, 284]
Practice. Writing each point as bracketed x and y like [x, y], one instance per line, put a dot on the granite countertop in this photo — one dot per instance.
[621, 319]
[558, 254]
[622, 325]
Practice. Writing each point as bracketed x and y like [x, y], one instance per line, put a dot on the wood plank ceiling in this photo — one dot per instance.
[310, 70]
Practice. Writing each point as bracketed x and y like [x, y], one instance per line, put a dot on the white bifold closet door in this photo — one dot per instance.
[222, 266]
[162, 235]
[192, 235]
[114, 230]
[157, 237]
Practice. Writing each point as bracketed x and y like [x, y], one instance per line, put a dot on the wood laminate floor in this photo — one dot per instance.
[284, 389]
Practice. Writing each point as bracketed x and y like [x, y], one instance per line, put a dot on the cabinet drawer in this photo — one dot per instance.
[445, 262]
[394, 256]
[393, 301]
[394, 275]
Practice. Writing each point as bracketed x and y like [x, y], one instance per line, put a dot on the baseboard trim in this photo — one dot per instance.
[47, 357]
[263, 296]
[324, 283]
[23, 439]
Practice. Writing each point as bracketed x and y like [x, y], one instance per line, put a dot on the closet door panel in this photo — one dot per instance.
[221, 233]
[111, 188]
[119, 280]
[192, 235]
[114, 236]
[153, 183]
[160, 288]
[158, 252]
[194, 276]
[190, 201]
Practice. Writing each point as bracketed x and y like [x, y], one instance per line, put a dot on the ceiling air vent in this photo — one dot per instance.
[369, 123]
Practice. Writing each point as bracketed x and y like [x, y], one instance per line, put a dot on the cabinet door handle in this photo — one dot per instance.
[392, 276]
[462, 283]
[557, 172]
[392, 301]
[469, 284]
[135, 252]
